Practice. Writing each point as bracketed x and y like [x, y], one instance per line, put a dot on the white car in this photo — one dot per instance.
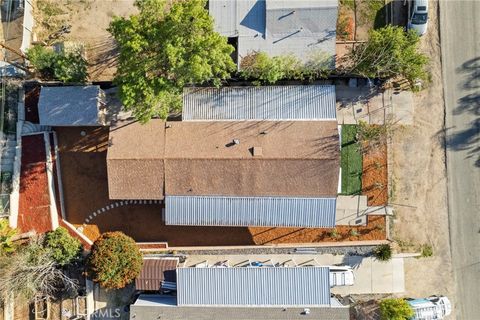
[419, 18]
[431, 308]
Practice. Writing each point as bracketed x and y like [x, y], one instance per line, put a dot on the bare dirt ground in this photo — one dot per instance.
[89, 20]
[420, 194]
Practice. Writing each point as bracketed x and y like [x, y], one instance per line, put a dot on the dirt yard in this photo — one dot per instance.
[84, 179]
[375, 176]
[420, 199]
[89, 20]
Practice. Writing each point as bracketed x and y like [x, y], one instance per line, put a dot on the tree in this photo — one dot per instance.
[115, 260]
[31, 270]
[383, 252]
[163, 48]
[63, 66]
[63, 247]
[6, 238]
[390, 52]
[395, 309]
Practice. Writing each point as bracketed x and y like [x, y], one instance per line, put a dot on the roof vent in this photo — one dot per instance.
[257, 151]
[236, 141]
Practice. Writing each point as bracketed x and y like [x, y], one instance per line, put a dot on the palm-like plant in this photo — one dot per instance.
[7, 234]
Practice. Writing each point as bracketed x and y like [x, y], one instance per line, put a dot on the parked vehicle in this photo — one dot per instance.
[431, 308]
[341, 276]
[418, 20]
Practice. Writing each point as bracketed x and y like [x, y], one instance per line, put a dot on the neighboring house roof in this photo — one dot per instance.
[71, 106]
[287, 158]
[135, 160]
[309, 102]
[278, 27]
[154, 271]
[250, 211]
[164, 307]
[257, 286]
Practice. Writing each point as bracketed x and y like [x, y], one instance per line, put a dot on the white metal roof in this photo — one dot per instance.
[70, 106]
[250, 211]
[256, 286]
[308, 102]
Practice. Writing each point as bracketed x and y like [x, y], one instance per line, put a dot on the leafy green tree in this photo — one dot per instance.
[115, 260]
[395, 309]
[6, 237]
[390, 52]
[63, 66]
[163, 48]
[63, 247]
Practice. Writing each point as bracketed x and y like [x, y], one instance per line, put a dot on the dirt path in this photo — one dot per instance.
[420, 193]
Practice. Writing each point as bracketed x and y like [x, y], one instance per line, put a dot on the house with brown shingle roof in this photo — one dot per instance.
[250, 172]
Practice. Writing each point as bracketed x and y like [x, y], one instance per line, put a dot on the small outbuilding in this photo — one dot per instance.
[72, 106]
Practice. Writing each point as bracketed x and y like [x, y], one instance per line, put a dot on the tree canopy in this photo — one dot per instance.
[390, 52]
[115, 260]
[163, 48]
[395, 309]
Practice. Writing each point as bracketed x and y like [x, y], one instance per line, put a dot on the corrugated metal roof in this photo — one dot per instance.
[250, 211]
[154, 271]
[70, 106]
[309, 102]
[258, 286]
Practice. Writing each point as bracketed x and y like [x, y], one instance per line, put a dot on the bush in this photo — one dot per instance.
[6, 237]
[395, 309]
[51, 65]
[262, 68]
[63, 247]
[115, 260]
[427, 251]
[383, 252]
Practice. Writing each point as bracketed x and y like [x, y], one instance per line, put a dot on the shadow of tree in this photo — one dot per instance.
[468, 139]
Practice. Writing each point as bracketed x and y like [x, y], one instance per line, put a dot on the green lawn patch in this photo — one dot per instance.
[351, 161]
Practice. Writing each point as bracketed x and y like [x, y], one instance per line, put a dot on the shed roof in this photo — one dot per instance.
[250, 211]
[309, 102]
[135, 156]
[257, 286]
[303, 28]
[70, 106]
[154, 271]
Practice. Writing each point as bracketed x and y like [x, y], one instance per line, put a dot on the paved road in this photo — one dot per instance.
[460, 37]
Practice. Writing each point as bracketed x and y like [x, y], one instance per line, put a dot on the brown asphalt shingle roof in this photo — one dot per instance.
[135, 160]
[298, 158]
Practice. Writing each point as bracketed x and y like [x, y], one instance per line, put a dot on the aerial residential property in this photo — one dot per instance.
[239, 159]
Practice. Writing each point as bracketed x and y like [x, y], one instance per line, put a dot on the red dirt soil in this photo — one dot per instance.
[375, 176]
[85, 186]
[34, 203]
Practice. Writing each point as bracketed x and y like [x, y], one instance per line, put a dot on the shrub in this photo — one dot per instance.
[354, 233]
[395, 309]
[115, 260]
[383, 252]
[6, 237]
[51, 65]
[63, 247]
[427, 251]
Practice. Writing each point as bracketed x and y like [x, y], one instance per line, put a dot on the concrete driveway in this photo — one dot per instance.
[460, 39]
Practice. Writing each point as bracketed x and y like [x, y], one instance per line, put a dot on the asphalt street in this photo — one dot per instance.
[460, 42]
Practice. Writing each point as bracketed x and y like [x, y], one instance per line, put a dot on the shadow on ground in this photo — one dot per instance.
[469, 138]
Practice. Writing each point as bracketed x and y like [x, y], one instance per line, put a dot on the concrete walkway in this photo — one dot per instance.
[353, 210]
[359, 103]
[371, 275]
